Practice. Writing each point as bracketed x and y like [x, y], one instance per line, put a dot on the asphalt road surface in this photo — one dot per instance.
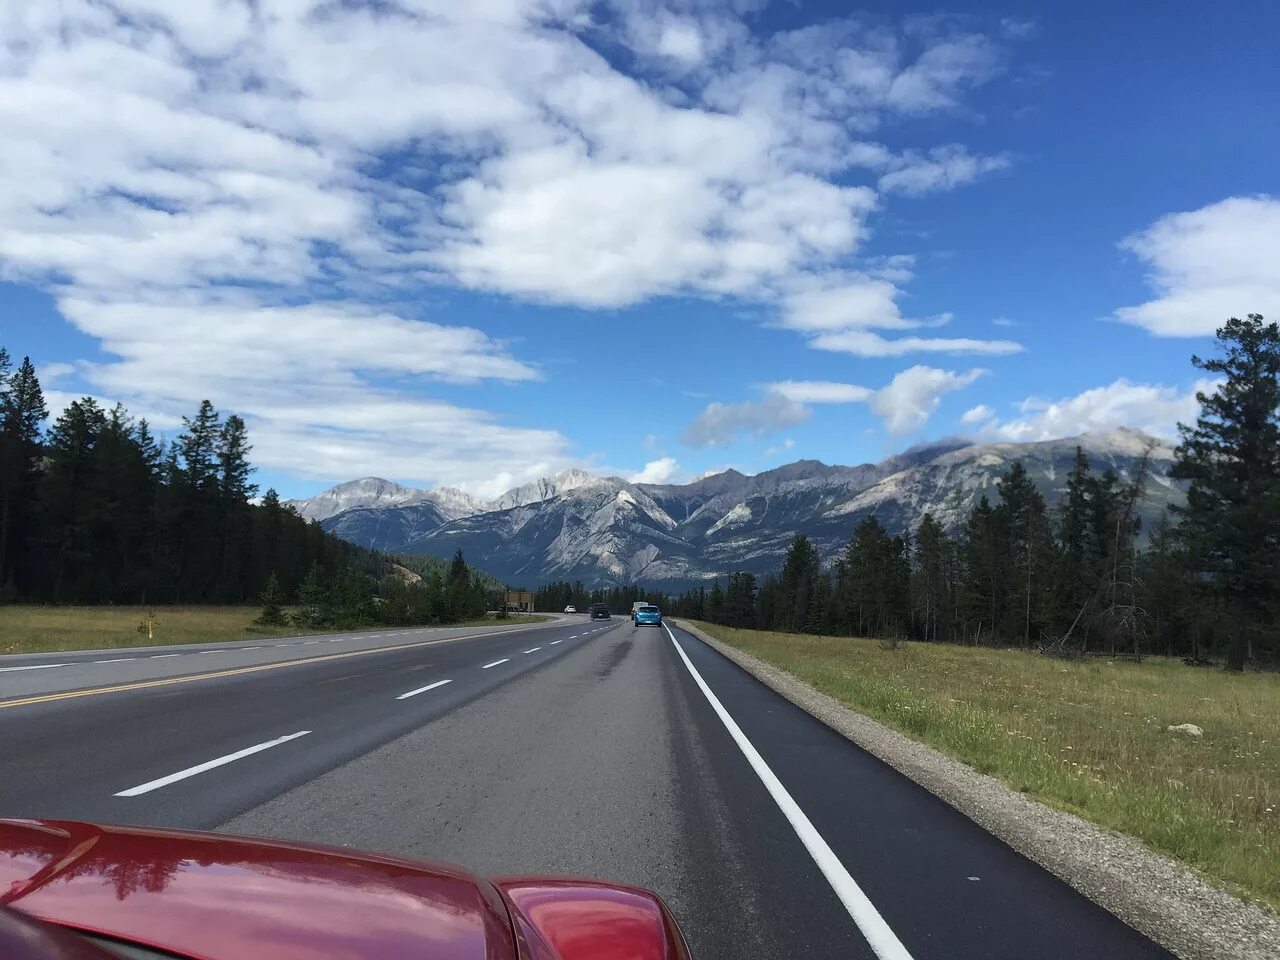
[633, 754]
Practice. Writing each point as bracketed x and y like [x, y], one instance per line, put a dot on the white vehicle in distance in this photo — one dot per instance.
[571, 609]
[635, 607]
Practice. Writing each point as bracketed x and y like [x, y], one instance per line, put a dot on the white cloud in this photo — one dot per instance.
[841, 312]
[904, 404]
[942, 168]
[1207, 265]
[225, 193]
[820, 391]
[915, 393]
[1151, 408]
[864, 343]
[722, 423]
[663, 470]
[978, 414]
[783, 447]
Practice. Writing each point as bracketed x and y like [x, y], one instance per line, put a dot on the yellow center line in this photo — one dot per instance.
[236, 671]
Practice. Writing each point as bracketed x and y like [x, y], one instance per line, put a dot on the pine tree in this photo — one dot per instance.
[235, 491]
[982, 595]
[931, 591]
[1164, 588]
[22, 410]
[1028, 555]
[68, 510]
[196, 500]
[715, 604]
[1232, 459]
[1079, 555]
[796, 583]
[272, 604]
[313, 599]
[198, 445]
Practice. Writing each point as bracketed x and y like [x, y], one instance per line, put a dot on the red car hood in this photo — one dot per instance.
[218, 897]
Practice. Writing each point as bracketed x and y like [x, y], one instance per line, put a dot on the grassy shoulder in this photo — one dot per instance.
[32, 629]
[1086, 737]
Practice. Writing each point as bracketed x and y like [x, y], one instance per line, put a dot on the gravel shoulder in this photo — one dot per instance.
[1155, 895]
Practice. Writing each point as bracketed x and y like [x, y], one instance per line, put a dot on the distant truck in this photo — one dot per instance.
[635, 607]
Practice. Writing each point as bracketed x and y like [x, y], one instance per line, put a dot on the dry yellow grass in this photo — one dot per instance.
[1088, 737]
[25, 629]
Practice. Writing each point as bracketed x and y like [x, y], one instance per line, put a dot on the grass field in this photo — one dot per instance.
[26, 629]
[1087, 737]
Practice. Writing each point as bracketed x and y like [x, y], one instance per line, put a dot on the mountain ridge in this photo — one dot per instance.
[605, 530]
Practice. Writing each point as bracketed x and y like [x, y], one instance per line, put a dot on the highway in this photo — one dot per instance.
[634, 754]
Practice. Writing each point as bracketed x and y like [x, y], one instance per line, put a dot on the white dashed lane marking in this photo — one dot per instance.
[429, 686]
[208, 765]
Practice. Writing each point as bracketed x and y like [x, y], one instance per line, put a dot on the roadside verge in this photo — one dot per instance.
[1152, 893]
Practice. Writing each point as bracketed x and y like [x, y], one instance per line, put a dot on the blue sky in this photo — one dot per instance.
[472, 244]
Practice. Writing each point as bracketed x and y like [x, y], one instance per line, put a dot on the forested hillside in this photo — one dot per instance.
[1071, 579]
[97, 509]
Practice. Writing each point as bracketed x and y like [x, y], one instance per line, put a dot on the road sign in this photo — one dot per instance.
[521, 600]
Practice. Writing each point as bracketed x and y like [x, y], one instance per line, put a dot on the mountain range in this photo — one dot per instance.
[606, 530]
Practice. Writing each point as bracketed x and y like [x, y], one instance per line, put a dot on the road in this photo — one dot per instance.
[634, 754]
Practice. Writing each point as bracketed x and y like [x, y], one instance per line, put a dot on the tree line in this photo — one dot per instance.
[1074, 580]
[1206, 585]
[554, 597]
[96, 508]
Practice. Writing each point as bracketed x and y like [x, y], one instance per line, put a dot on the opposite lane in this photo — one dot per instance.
[82, 758]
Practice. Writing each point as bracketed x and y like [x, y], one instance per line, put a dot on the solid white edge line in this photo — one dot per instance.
[534, 650]
[208, 765]
[34, 666]
[879, 936]
[496, 663]
[429, 686]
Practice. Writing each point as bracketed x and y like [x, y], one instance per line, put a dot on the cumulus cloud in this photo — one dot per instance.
[663, 470]
[841, 312]
[1207, 265]
[722, 423]
[207, 185]
[913, 395]
[904, 404]
[1152, 408]
[978, 414]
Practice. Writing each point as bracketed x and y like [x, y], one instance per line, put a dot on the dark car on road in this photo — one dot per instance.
[599, 612]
